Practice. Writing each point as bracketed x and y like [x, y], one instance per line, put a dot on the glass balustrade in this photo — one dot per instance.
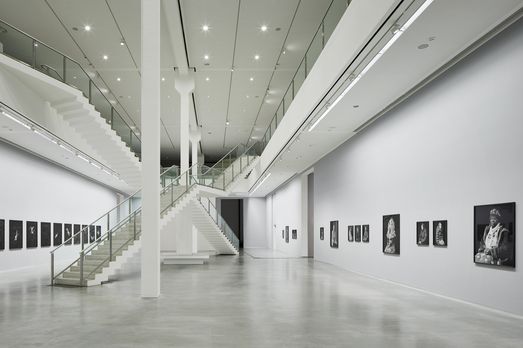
[323, 33]
[24, 48]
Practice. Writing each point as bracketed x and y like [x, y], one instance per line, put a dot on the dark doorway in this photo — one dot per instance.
[232, 212]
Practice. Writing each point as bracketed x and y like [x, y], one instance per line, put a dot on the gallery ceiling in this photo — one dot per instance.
[244, 61]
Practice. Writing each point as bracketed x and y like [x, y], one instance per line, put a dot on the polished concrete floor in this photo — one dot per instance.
[243, 302]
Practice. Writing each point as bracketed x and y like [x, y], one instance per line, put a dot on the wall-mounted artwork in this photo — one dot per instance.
[334, 234]
[294, 234]
[495, 234]
[357, 233]
[31, 234]
[92, 233]
[286, 234]
[422, 233]
[282, 234]
[322, 233]
[68, 233]
[366, 234]
[15, 234]
[98, 232]
[45, 234]
[85, 234]
[2, 234]
[57, 234]
[439, 233]
[76, 230]
[391, 234]
[350, 233]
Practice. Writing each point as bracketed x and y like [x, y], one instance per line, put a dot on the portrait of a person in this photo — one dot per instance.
[334, 234]
[440, 233]
[350, 232]
[496, 246]
[423, 233]
[365, 236]
[391, 234]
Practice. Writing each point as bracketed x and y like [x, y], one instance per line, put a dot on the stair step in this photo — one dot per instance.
[69, 281]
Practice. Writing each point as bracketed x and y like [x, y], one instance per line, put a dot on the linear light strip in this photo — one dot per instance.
[15, 119]
[395, 37]
[261, 183]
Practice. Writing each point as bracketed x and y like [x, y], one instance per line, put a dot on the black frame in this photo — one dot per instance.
[322, 233]
[2, 234]
[66, 236]
[31, 241]
[294, 234]
[16, 225]
[444, 225]
[357, 233]
[335, 223]
[418, 228]
[286, 234]
[76, 229]
[397, 240]
[45, 234]
[350, 233]
[57, 238]
[363, 233]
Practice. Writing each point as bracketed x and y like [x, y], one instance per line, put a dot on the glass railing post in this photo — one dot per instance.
[34, 55]
[52, 269]
[90, 91]
[112, 118]
[292, 93]
[134, 227]
[323, 34]
[306, 71]
[82, 237]
[108, 222]
[63, 69]
[81, 268]
[110, 246]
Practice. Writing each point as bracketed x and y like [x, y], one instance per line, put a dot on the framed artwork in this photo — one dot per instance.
[76, 232]
[294, 234]
[495, 234]
[2, 234]
[98, 232]
[16, 238]
[282, 234]
[31, 234]
[92, 233]
[334, 234]
[45, 234]
[322, 233]
[68, 233]
[357, 233]
[439, 233]
[391, 234]
[422, 233]
[57, 234]
[350, 233]
[286, 234]
[365, 236]
[85, 234]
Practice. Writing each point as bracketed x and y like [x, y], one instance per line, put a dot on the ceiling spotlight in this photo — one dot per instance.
[207, 79]
[112, 101]
[105, 57]
[168, 97]
[118, 79]
[122, 42]
[256, 56]
[251, 79]
[163, 78]
[104, 90]
[284, 52]
[263, 28]
[206, 57]
[227, 123]
[36, 44]
[87, 27]
[205, 27]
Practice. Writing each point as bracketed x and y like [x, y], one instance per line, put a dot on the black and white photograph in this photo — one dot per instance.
[76, 230]
[85, 234]
[98, 232]
[439, 233]
[31, 234]
[322, 233]
[282, 234]
[15, 234]
[495, 234]
[286, 234]
[422, 233]
[365, 234]
[45, 234]
[68, 233]
[357, 233]
[350, 233]
[57, 234]
[294, 234]
[334, 234]
[2, 234]
[92, 233]
[391, 234]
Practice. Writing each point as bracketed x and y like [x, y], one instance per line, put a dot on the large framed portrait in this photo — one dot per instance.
[16, 238]
[31, 234]
[45, 234]
[85, 234]
[495, 234]
[422, 233]
[68, 234]
[350, 233]
[92, 234]
[57, 234]
[357, 233]
[322, 233]
[334, 234]
[2, 234]
[439, 233]
[365, 234]
[76, 231]
[98, 232]
[391, 234]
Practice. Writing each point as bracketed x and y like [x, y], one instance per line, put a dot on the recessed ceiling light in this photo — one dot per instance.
[207, 79]
[163, 78]
[227, 123]
[105, 57]
[128, 97]
[206, 57]
[87, 27]
[284, 52]
[247, 96]
[168, 97]
[118, 79]
[112, 101]
[36, 44]
[205, 27]
[251, 79]
[104, 90]
[122, 42]
[256, 56]
[208, 96]
[263, 28]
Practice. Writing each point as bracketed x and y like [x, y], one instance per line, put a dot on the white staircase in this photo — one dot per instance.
[79, 114]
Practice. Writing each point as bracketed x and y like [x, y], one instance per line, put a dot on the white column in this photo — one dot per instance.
[150, 281]
[184, 84]
[195, 140]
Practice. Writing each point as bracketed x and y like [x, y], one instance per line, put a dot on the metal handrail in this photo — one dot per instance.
[208, 210]
[223, 157]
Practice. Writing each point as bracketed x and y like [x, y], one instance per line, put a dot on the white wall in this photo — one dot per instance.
[255, 223]
[455, 144]
[35, 190]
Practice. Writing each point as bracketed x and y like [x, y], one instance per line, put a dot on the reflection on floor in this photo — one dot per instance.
[239, 301]
[259, 253]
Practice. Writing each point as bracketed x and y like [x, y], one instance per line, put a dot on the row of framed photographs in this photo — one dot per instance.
[57, 233]
[285, 234]
[494, 234]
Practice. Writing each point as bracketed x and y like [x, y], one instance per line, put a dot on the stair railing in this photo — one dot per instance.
[227, 231]
[45, 59]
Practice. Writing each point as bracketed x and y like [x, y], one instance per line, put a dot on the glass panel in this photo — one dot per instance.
[49, 62]
[332, 18]
[100, 103]
[121, 128]
[136, 145]
[15, 44]
[288, 98]
[314, 51]
[299, 77]
[76, 77]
